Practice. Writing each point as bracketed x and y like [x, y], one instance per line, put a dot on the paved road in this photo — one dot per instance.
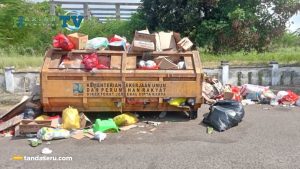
[267, 138]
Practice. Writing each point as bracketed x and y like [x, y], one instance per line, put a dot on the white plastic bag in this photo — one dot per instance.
[96, 43]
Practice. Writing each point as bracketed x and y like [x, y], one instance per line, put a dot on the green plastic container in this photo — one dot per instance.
[105, 125]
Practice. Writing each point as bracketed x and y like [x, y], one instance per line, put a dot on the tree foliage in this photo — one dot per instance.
[222, 25]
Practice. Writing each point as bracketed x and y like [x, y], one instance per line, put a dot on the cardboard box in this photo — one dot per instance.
[143, 42]
[185, 44]
[33, 126]
[142, 46]
[167, 41]
[79, 40]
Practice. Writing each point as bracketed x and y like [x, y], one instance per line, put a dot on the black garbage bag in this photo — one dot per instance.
[224, 114]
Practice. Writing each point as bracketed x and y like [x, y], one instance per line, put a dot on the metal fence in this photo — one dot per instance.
[100, 10]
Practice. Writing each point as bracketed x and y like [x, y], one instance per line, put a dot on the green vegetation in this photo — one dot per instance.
[283, 56]
[222, 26]
[224, 30]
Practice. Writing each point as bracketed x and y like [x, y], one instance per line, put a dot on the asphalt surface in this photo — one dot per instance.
[268, 137]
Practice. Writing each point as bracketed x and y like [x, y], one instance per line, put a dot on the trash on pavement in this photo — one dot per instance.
[33, 126]
[125, 128]
[47, 133]
[70, 118]
[46, 150]
[78, 134]
[297, 102]
[105, 126]
[247, 102]
[125, 119]
[100, 136]
[34, 142]
[153, 123]
[250, 88]
[224, 114]
[209, 130]
[290, 98]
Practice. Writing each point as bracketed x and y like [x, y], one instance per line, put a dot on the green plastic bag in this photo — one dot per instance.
[105, 126]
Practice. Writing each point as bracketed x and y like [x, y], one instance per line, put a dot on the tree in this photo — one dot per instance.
[222, 25]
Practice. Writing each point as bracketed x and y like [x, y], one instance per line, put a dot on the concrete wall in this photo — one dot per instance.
[266, 76]
[285, 75]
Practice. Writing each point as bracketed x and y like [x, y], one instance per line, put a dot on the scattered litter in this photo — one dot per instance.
[209, 130]
[124, 128]
[48, 143]
[162, 114]
[152, 130]
[34, 142]
[78, 135]
[142, 132]
[46, 151]
[70, 118]
[266, 108]
[247, 102]
[47, 133]
[105, 126]
[154, 123]
[125, 119]
[100, 136]
[297, 102]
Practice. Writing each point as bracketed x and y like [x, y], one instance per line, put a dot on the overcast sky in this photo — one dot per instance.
[293, 25]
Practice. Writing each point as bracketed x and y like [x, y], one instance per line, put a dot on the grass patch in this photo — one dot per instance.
[34, 60]
[282, 56]
[20, 61]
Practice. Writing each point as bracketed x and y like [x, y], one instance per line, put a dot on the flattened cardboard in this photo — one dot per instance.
[78, 135]
[167, 64]
[11, 122]
[124, 128]
[115, 62]
[15, 110]
[167, 41]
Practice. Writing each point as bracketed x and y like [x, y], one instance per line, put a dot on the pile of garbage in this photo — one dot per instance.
[247, 94]
[26, 119]
[143, 42]
[227, 102]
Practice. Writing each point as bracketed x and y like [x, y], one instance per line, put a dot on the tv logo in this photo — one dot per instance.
[74, 17]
